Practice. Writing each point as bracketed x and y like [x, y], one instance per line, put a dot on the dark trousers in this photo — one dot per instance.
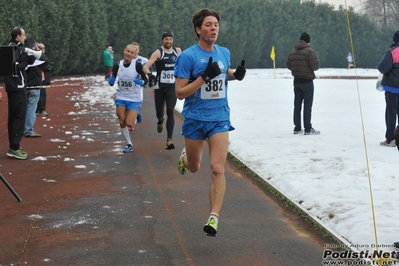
[108, 72]
[41, 105]
[17, 105]
[166, 96]
[391, 112]
[303, 92]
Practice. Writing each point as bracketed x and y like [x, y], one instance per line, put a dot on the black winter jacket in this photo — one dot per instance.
[34, 74]
[21, 60]
[389, 66]
[303, 61]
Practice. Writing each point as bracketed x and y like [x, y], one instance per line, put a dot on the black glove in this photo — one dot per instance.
[212, 70]
[139, 69]
[152, 80]
[240, 71]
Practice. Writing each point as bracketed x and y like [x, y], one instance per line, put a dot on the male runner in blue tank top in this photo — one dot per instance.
[202, 73]
[164, 59]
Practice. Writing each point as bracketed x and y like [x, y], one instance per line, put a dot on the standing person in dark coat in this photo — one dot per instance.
[389, 67]
[303, 61]
[16, 92]
[46, 76]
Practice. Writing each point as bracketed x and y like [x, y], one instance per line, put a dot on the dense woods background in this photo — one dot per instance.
[76, 32]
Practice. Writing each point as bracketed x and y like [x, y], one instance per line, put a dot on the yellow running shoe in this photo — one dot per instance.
[211, 227]
[180, 165]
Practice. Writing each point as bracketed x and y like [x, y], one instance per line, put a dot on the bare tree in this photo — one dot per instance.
[383, 12]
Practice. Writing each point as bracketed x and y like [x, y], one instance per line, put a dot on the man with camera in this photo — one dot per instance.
[16, 91]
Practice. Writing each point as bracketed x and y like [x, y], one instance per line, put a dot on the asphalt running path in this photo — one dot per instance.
[84, 202]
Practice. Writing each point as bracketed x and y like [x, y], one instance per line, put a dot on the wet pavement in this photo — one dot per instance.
[84, 202]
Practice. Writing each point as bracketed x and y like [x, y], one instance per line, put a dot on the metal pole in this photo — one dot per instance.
[10, 188]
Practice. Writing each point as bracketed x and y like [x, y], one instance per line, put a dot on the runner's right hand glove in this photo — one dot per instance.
[138, 81]
[152, 80]
[111, 80]
[212, 70]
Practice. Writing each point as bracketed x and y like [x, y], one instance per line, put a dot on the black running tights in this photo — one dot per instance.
[162, 97]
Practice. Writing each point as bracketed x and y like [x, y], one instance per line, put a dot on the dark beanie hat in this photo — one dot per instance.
[305, 37]
[167, 33]
[395, 37]
[30, 43]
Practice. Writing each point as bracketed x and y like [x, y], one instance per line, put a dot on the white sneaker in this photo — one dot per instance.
[386, 144]
[312, 132]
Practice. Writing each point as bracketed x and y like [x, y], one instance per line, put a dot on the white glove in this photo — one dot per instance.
[36, 54]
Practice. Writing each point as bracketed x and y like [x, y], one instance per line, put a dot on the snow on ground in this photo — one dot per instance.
[342, 178]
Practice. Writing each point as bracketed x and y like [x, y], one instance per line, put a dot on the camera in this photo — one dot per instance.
[8, 58]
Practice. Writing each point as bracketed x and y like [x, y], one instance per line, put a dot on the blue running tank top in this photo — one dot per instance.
[209, 102]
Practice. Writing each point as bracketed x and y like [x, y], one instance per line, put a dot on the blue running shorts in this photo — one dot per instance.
[197, 129]
[129, 105]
